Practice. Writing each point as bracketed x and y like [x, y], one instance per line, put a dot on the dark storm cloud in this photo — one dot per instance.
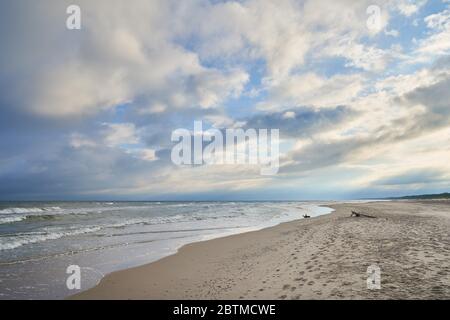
[322, 154]
[301, 122]
[419, 176]
[80, 172]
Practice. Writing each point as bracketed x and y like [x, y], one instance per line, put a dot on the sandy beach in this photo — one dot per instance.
[320, 258]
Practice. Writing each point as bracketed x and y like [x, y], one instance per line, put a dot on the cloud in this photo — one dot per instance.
[419, 112]
[310, 89]
[416, 177]
[115, 60]
[286, 33]
[78, 140]
[112, 61]
[116, 134]
[437, 43]
[301, 122]
[409, 7]
[82, 173]
[361, 56]
[90, 112]
[439, 21]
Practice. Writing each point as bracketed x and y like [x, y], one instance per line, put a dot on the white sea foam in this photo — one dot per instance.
[257, 215]
[4, 220]
[19, 240]
[28, 210]
[12, 242]
[11, 215]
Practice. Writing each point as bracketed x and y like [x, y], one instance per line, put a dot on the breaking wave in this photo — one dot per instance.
[28, 210]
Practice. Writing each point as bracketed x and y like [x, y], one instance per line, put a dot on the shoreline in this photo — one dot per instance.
[209, 238]
[133, 235]
[229, 267]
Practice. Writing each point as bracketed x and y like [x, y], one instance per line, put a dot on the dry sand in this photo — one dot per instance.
[320, 258]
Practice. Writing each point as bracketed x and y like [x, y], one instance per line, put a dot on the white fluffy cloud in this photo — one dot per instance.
[282, 33]
[310, 89]
[121, 54]
[438, 42]
[409, 7]
[156, 53]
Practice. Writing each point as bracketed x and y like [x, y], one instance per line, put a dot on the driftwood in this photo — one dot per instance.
[306, 216]
[357, 214]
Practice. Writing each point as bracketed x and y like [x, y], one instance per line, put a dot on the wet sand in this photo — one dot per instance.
[320, 258]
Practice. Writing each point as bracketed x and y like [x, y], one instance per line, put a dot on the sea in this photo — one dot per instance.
[40, 242]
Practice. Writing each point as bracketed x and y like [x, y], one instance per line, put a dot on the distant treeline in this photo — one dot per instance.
[445, 195]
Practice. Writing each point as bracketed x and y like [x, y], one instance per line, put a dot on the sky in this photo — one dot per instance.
[363, 108]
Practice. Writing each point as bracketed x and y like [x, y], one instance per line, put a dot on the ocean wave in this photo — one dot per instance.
[37, 215]
[23, 239]
[47, 215]
[5, 220]
[126, 223]
[18, 240]
[260, 214]
[28, 210]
